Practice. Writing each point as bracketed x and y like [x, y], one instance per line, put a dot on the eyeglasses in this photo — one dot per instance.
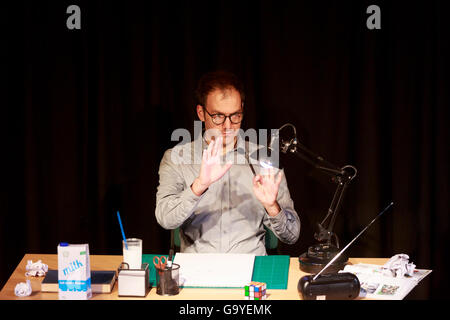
[219, 118]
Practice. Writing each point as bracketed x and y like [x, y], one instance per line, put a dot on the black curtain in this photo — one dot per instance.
[88, 114]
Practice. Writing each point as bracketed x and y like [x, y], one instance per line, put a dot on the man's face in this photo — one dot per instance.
[221, 102]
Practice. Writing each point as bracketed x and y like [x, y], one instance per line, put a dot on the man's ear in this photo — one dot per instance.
[200, 113]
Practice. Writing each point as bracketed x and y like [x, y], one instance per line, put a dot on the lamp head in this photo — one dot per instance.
[266, 157]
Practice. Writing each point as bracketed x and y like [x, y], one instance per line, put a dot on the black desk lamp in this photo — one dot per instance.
[324, 251]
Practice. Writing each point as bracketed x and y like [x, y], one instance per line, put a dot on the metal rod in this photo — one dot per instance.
[354, 239]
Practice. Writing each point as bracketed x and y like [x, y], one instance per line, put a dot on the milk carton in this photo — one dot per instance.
[74, 273]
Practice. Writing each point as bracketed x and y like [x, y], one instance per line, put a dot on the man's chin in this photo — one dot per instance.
[229, 136]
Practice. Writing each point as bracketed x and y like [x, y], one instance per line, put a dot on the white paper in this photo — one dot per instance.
[36, 269]
[23, 289]
[400, 266]
[376, 283]
[227, 270]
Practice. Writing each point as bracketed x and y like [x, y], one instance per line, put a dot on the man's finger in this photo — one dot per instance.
[272, 175]
[217, 145]
[210, 148]
[279, 178]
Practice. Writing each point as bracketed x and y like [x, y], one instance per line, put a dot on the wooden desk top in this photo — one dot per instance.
[111, 262]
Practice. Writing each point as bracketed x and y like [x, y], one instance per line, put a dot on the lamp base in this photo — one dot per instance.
[318, 256]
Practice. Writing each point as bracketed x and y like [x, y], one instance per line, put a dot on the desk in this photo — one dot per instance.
[112, 262]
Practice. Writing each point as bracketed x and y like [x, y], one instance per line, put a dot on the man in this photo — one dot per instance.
[223, 206]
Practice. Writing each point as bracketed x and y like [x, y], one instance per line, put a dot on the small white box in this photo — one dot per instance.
[133, 282]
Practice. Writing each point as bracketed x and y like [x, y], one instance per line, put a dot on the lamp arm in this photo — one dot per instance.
[341, 176]
[335, 206]
[317, 161]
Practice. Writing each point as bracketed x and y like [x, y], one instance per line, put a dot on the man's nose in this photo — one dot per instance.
[227, 124]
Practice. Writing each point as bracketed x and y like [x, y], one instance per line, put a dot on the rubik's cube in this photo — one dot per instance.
[255, 291]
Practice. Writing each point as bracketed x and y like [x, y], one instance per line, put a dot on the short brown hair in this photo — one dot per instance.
[217, 80]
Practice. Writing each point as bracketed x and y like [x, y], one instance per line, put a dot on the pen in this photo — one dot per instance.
[169, 261]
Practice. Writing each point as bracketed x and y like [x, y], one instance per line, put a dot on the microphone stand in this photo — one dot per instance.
[320, 254]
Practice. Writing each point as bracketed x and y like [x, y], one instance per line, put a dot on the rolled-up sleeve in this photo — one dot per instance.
[175, 201]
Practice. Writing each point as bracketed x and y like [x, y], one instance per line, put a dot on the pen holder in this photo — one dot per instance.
[167, 280]
[133, 282]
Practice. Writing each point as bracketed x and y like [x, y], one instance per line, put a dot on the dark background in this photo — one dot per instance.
[88, 114]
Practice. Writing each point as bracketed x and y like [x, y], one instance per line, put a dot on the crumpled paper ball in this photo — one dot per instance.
[399, 266]
[23, 289]
[37, 269]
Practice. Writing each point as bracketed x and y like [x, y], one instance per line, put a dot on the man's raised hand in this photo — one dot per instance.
[211, 168]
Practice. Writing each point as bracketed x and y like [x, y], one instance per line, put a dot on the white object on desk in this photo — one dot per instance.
[399, 266]
[36, 269]
[23, 289]
[227, 270]
[133, 282]
[74, 272]
[132, 253]
[377, 284]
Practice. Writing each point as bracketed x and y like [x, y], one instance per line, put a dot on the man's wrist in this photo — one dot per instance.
[198, 188]
[272, 209]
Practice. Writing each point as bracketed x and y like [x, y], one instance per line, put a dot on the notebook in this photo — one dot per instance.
[215, 269]
[102, 281]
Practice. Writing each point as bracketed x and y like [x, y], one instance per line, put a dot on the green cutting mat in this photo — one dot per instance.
[272, 270]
